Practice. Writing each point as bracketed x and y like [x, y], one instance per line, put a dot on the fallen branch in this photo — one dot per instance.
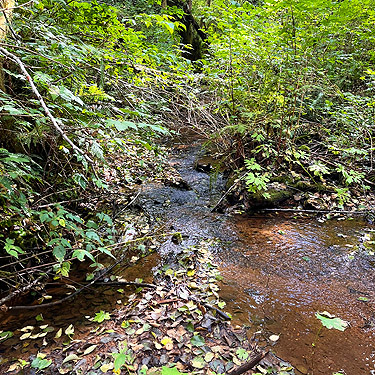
[297, 210]
[16, 59]
[19, 291]
[228, 191]
[249, 365]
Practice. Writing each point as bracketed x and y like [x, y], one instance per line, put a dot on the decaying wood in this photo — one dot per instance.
[19, 291]
[297, 210]
[249, 365]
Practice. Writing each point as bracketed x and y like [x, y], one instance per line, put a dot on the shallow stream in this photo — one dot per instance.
[278, 271]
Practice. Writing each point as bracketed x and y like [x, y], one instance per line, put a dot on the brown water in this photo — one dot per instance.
[283, 271]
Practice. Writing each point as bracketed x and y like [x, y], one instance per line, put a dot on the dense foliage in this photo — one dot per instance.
[298, 84]
[96, 66]
[285, 90]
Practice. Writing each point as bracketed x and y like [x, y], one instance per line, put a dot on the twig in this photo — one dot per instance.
[19, 291]
[143, 285]
[37, 54]
[15, 36]
[46, 109]
[228, 191]
[357, 212]
[249, 365]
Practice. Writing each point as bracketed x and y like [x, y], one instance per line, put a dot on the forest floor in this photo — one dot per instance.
[172, 325]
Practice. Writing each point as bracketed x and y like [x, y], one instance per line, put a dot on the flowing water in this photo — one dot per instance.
[281, 270]
[278, 272]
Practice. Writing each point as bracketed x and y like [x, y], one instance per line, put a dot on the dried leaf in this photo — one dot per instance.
[89, 349]
[58, 333]
[71, 357]
[70, 330]
[25, 336]
[198, 362]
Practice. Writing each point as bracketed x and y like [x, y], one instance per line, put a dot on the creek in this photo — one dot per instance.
[278, 271]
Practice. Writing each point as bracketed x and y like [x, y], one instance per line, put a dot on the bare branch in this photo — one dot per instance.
[41, 100]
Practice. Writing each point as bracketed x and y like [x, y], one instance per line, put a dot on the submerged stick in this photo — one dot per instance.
[249, 365]
[297, 210]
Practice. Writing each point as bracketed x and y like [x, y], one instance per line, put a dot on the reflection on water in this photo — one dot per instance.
[283, 271]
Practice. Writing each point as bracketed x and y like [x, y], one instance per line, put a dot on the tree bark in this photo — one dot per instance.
[192, 35]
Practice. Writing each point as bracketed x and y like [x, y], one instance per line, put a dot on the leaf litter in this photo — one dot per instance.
[175, 327]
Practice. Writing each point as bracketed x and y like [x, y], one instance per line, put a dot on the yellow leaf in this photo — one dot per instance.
[13, 367]
[89, 349]
[58, 333]
[25, 336]
[191, 273]
[106, 367]
[27, 328]
[139, 331]
[69, 330]
[166, 340]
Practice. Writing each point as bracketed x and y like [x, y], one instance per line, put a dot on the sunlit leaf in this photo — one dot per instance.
[329, 321]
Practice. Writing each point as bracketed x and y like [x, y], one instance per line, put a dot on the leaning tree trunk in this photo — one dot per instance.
[193, 35]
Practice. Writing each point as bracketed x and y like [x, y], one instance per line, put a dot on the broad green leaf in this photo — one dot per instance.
[40, 364]
[122, 125]
[120, 359]
[197, 340]
[101, 316]
[5, 335]
[59, 252]
[169, 371]
[242, 353]
[329, 321]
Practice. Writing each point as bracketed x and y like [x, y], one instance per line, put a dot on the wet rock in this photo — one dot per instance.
[301, 368]
[146, 361]
[204, 164]
[275, 194]
[164, 358]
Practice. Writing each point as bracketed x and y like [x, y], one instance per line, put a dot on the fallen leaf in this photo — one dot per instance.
[70, 330]
[71, 357]
[329, 321]
[198, 362]
[106, 367]
[58, 333]
[27, 328]
[13, 367]
[89, 349]
[25, 336]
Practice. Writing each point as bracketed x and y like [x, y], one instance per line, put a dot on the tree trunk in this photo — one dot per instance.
[193, 35]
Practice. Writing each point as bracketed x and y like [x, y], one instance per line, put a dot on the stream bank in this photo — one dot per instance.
[278, 272]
